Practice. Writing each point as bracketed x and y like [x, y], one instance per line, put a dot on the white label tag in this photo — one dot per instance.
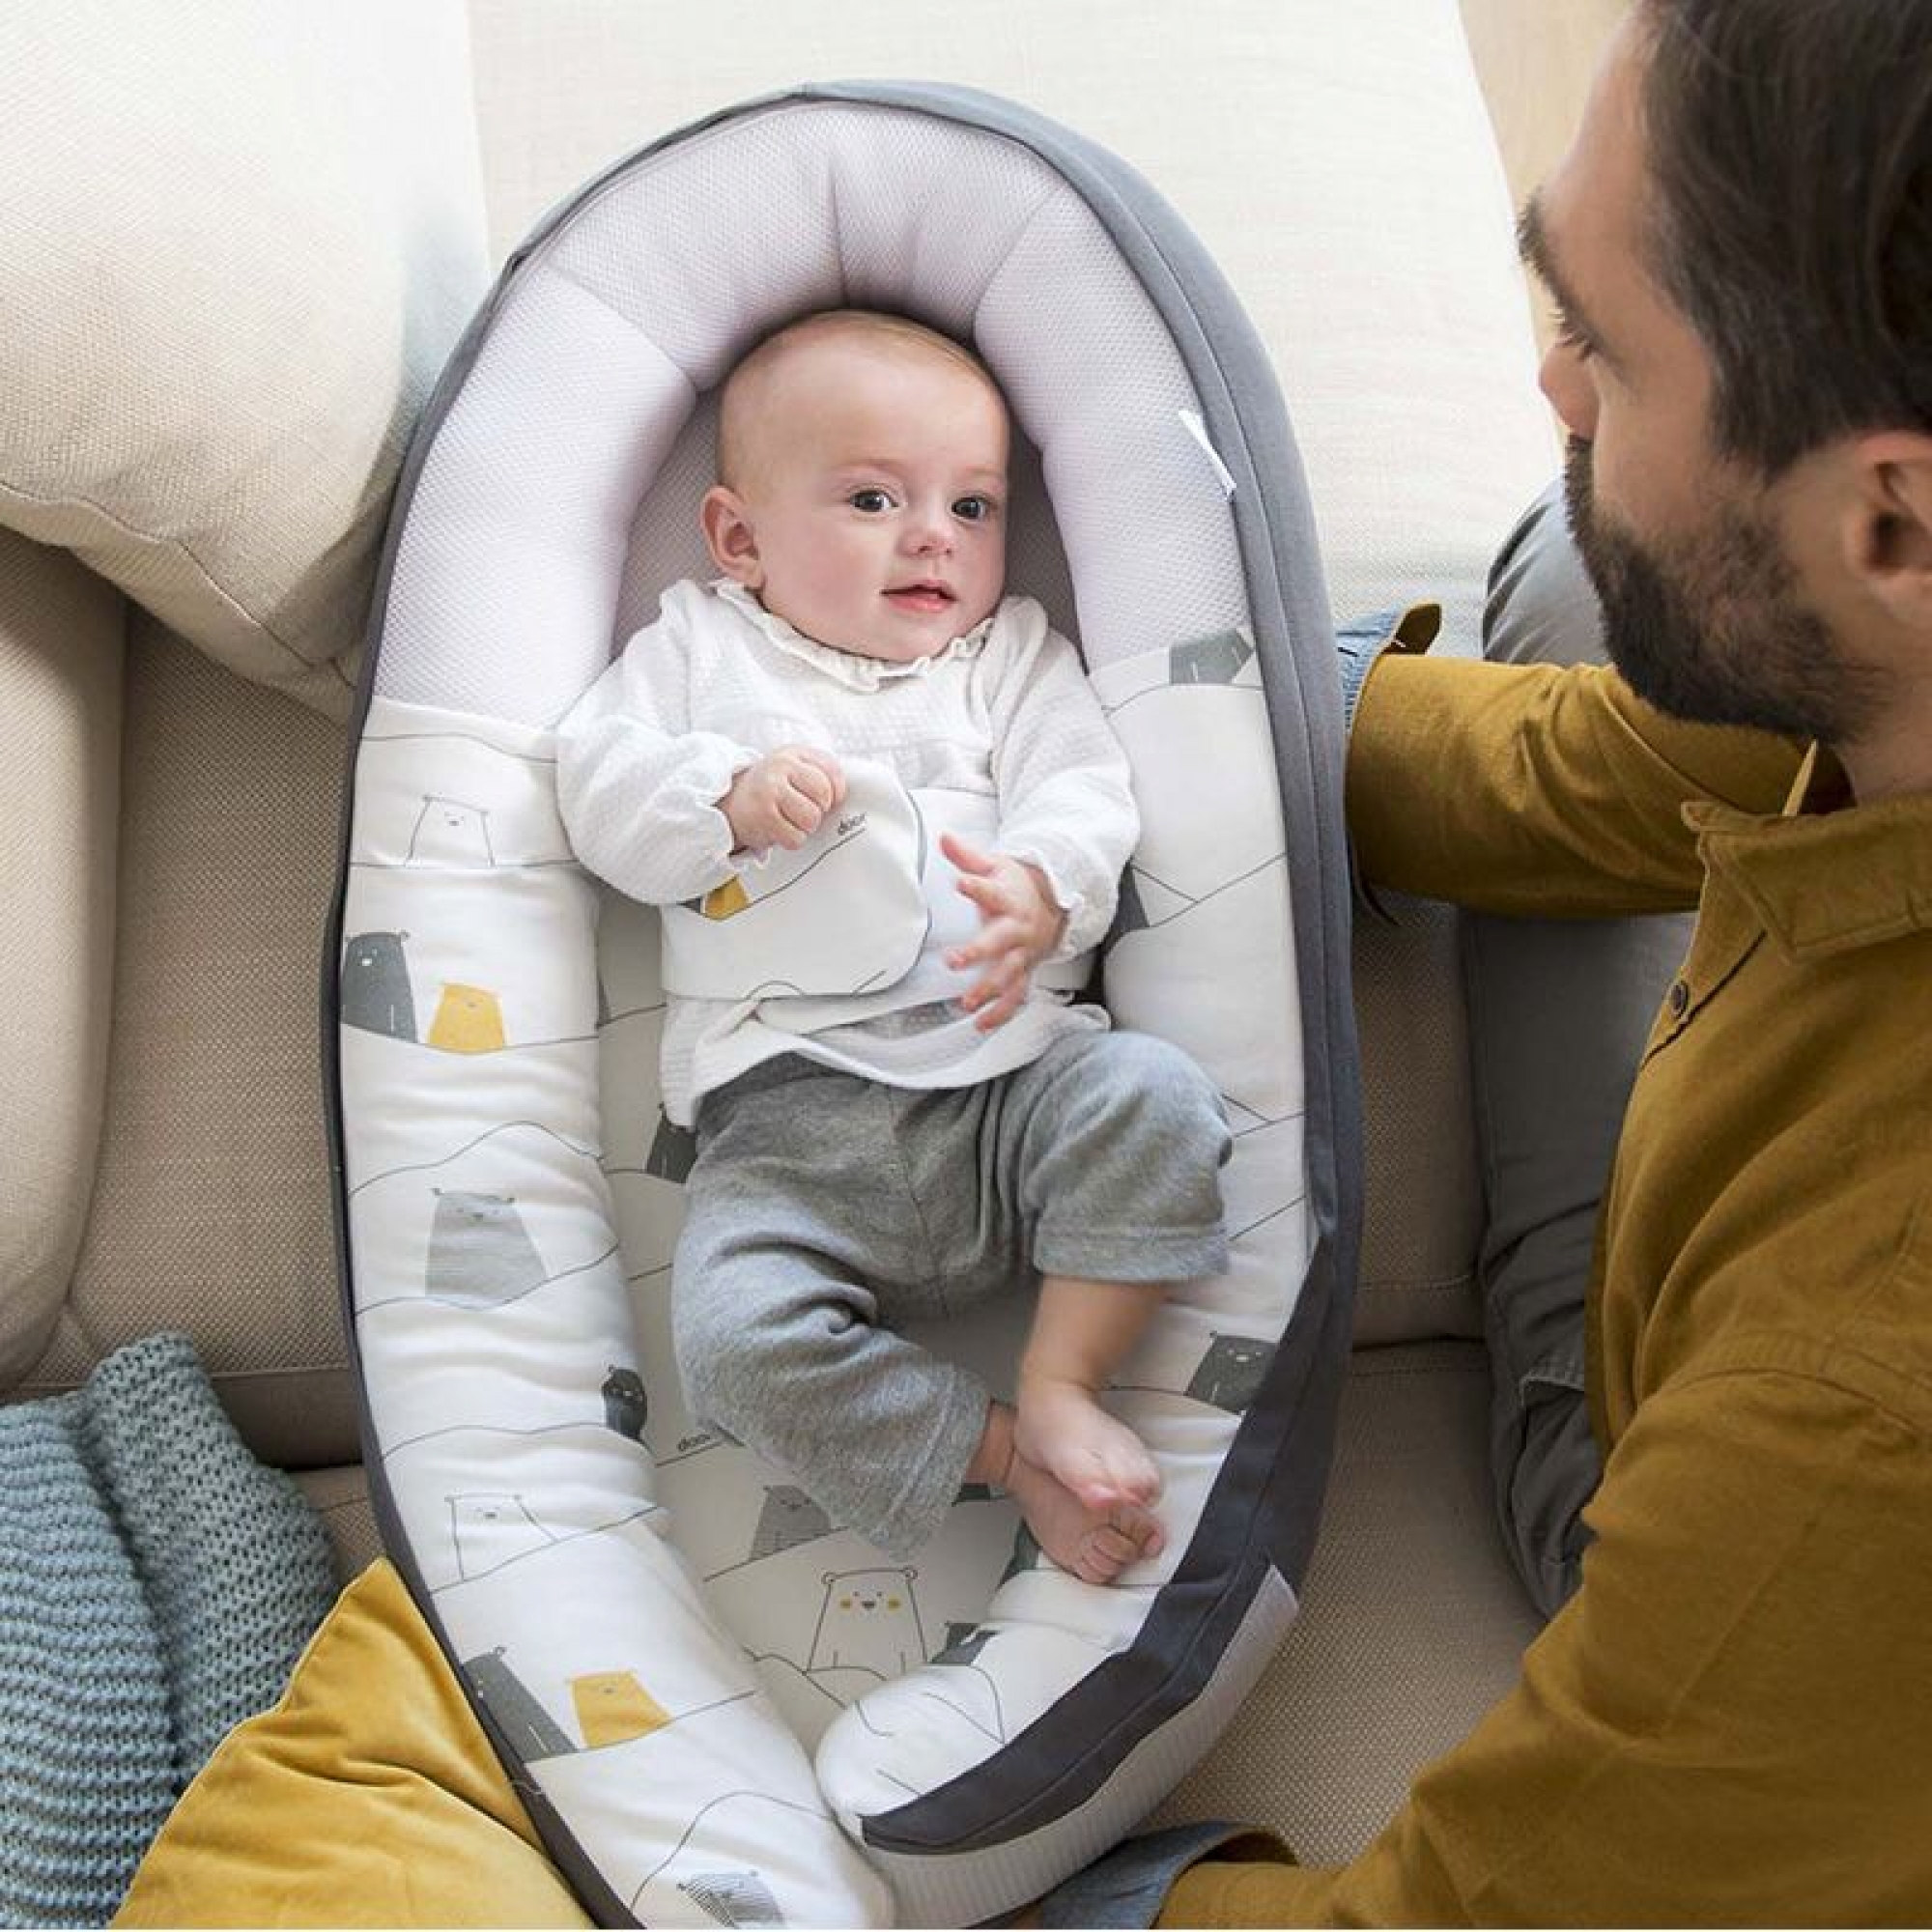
[1198, 430]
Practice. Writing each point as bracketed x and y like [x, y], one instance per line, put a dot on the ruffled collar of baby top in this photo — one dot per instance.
[851, 668]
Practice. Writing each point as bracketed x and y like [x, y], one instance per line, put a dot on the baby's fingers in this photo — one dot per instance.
[1005, 1001]
[968, 858]
[997, 938]
[823, 767]
[991, 896]
[799, 816]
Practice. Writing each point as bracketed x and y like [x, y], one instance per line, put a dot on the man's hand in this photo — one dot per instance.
[1020, 925]
[783, 798]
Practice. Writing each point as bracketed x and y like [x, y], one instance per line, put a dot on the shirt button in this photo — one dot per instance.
[1680, 998]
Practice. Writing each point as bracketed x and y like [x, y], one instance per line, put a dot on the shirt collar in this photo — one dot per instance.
[851, 668]
[1826, 874]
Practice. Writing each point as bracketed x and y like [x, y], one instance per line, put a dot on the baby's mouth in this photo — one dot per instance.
[927, 598]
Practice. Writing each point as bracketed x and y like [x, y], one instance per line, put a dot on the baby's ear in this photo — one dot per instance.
[729, 537]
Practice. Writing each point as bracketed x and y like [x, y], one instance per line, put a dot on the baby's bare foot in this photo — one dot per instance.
[1062, 1428]
[1095, 1545]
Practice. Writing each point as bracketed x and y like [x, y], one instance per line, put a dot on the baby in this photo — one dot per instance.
[910, 1152]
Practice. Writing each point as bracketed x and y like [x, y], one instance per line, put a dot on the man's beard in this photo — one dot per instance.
[1712, 628]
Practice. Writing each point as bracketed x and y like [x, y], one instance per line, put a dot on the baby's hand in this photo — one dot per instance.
[1020, 925]
[783, 798]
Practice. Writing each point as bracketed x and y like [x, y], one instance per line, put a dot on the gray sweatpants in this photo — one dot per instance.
[823, 1208]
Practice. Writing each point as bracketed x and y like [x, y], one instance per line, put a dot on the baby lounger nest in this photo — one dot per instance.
[659, 1631]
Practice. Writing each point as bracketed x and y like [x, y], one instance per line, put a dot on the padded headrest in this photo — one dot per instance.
[516, 572]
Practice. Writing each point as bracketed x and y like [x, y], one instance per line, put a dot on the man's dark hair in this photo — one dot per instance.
[1790, 152]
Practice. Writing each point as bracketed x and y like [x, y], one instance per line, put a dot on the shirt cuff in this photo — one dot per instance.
[1359, 644]
[1073, 905]
[1359, 647]
[1130, 1884]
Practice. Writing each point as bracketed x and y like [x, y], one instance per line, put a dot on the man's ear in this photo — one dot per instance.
[1890, 539]
[729, 537]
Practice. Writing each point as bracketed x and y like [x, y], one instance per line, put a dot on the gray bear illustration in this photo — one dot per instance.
[734, 1898]
[376, 991]
[1025, 1556]
[963, 1644]
[490, 1529]
[1231, 1372]
[869, 1621]
[1129, 913]
[1216, 659]
[789, 1519]
[627, 1406]
[449, 833]
[526, 1726]
[673, 1150]
[480, 1253]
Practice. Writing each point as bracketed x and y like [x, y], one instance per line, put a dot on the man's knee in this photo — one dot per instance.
[1541, 606]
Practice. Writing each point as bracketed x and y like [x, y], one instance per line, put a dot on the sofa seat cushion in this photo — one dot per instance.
[1414, 1624]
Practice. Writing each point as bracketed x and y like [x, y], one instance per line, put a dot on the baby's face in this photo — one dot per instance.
[876, 498]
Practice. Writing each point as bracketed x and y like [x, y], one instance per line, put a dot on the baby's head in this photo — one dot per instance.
[862, 492]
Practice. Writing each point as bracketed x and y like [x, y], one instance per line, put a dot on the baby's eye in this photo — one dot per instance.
[975, 509]
[873, 502]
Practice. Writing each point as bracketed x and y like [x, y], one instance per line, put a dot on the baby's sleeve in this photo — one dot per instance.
[638, 787]
[1066, 801]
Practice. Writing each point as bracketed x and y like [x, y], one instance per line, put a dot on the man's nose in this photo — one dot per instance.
[1572, 394]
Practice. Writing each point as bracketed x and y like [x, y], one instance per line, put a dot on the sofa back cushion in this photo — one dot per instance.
[236, 245]
[61, 632]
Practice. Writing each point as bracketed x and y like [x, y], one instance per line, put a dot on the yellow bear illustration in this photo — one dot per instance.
[612, 1708]
[469, 1019]
[722, 901]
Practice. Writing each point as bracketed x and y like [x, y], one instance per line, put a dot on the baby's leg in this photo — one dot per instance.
[779, 1332]
[785, 1353]
[1082, 1331]
[1114, 1141]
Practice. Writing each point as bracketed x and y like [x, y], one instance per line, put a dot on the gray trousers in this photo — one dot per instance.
[1558, 1013]
[823, 1208]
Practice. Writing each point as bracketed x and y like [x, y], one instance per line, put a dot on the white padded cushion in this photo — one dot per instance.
[522, 529]
[236, 245]
[503, 1234]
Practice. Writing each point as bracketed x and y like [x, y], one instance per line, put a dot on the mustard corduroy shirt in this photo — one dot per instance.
[1732, 1720]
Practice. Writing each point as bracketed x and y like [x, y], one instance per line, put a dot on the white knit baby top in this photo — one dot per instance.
[1005, 712]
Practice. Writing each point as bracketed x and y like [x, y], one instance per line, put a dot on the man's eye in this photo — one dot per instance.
[974, 509]
[1571, 337]
[874, 502]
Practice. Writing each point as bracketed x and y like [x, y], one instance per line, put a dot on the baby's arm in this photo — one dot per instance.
[1067, 801]
[640, 791]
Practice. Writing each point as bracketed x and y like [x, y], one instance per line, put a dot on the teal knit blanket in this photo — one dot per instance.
[157, 1584]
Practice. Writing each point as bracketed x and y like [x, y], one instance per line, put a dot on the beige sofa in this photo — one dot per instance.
[169, 810]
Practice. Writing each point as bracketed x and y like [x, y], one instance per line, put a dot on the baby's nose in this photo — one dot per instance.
[929, 533]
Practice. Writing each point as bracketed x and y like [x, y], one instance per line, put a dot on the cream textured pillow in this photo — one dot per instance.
[237, 242]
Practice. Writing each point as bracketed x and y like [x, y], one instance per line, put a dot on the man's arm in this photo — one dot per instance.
[1726, 1725]
[1531, 789]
